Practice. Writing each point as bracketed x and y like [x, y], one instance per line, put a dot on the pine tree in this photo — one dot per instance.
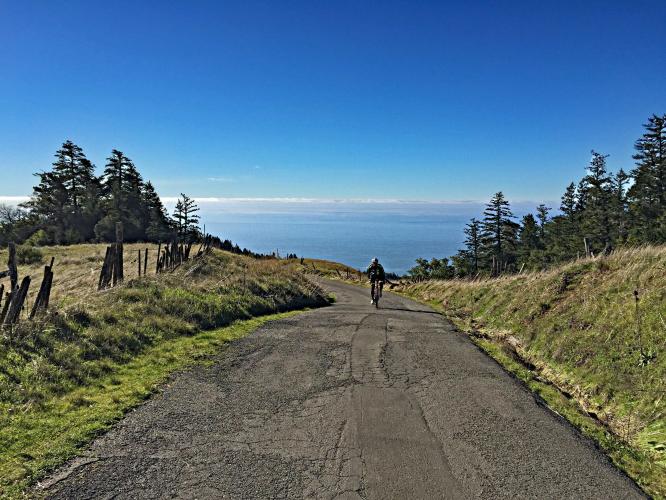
[619, 206]
[499, 234]
[75, 171]
[66, 200]
[122, 188]
[647, 195]
[48, 205]
[186, 218]
[582, 195]
[158, 226]
[542, 216]
[569, 202]
[596, 219]
[529, 240]
[566, 237]
[473, 243]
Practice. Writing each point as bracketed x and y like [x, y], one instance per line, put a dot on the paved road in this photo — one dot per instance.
[345, 402]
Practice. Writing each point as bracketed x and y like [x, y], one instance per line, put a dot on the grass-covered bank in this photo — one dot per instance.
[74, 372]
[576, 329]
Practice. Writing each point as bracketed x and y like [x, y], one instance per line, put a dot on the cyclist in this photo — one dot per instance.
[377, 276]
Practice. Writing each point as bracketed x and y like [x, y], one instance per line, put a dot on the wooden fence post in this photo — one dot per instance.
[11, 265]
[138, 259]
[145, 262]
[157, 261]
[4, 308]
[42, 300]
[119, 250]
[105, 273]
[49, 283]
[587, 247]
[17, 302]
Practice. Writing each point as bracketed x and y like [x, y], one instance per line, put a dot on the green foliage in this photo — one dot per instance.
[499, 234]
[72, 205]
[647, 195]
[65, 202]
[26, 254]
[186, 218]
[435, 269]
[14, 224]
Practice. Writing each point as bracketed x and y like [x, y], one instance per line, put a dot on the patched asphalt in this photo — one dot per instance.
[344, 402]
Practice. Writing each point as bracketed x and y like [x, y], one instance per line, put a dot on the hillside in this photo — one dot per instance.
[579, 328]
[69, 374]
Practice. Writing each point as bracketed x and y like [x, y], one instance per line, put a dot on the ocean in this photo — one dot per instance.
[351, 232]
[351, 239]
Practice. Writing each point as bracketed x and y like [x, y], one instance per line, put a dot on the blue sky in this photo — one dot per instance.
[407, 100]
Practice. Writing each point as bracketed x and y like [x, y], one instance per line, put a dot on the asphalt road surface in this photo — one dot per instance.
[344, 402]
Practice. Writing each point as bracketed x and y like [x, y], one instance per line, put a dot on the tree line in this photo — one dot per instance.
[601, 212]
[70, 204]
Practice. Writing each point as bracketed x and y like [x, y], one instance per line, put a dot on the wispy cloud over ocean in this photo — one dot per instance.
[240, 205]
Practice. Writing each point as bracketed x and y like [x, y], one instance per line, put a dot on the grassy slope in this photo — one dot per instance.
[324, 268]
[72, 373]
[575, 328]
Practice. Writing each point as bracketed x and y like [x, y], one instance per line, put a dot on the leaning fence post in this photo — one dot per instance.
[119, 250]
[5, 307]
[17, 302]
[11, 265]
[157, 260]
[145, 262]
[42, 300]
[104, 273]
[47, 290]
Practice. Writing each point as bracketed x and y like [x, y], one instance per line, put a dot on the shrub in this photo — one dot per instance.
[38, 238]
[28, 255]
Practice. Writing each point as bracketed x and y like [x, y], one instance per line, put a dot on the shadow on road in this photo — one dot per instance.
[407, 310]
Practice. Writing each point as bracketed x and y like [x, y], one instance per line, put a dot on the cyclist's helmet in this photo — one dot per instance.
[375, 260]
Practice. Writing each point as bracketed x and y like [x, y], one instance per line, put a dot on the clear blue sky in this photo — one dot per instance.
[408, 100]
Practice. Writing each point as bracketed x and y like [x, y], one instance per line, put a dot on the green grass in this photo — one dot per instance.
[576, 329]
[70, 373]
[38, 439]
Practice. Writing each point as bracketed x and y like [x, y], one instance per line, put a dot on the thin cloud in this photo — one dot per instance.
[13, 200]
[341, 201]
[220, 179]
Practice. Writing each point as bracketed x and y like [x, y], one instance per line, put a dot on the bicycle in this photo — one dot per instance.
[377, 292]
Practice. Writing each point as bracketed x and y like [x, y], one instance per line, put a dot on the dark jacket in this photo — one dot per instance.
[376, 272]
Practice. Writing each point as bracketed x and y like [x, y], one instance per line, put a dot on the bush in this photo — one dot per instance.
[28, 255]
[38, 238]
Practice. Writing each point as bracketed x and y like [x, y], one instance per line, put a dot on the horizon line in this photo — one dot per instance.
[304, 200]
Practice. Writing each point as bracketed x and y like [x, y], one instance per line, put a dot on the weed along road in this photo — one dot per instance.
[345, 401]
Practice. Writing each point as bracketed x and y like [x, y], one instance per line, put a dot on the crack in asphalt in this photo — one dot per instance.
[343, 402]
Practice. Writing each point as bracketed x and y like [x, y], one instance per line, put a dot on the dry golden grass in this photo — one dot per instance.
[76, 269]
[320, 267]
